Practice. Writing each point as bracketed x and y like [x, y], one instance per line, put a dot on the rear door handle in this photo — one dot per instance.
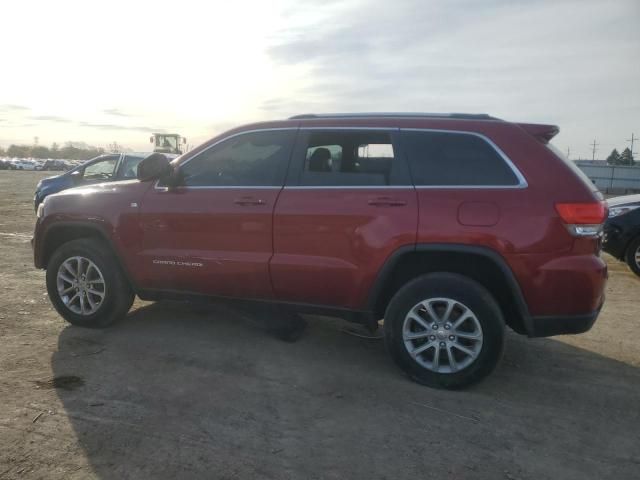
[387, 202]
[249, 201]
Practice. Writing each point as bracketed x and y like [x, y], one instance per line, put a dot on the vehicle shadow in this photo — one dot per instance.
[177, 391]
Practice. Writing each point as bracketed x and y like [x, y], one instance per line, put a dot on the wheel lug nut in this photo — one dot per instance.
[432, 337]
[434, 326]
[452, 338]
[442, 344]
[447, 326]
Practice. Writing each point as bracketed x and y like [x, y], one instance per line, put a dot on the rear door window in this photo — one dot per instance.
[349, 158]
[443, 159]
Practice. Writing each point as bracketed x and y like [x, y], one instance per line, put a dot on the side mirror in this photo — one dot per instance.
[77, 176]
[153, 167]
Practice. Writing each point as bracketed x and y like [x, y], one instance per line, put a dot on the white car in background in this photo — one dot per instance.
[22, 164]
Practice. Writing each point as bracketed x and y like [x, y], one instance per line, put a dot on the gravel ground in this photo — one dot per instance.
[176, 391]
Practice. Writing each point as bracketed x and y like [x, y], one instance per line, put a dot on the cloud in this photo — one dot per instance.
[50, 118]
[537, 60]
[112, 126]
[372, 57]
[100, 126]
[8, 107]
[116, 112]
[273, 104]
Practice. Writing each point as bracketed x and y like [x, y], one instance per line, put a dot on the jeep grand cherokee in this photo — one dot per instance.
[448, 226]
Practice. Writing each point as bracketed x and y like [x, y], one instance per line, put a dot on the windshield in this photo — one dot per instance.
[164, 141]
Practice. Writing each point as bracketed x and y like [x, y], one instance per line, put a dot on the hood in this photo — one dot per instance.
[46, 181]
[623, 200]
[49, 181]
[106, 188]
[97, 201]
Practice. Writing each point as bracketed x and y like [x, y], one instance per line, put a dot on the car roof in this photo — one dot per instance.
[455, 121]
[458, 116]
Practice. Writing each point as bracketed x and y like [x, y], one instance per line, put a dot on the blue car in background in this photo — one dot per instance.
[105, 168]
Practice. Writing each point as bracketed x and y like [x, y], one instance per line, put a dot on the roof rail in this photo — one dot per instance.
[459, 116]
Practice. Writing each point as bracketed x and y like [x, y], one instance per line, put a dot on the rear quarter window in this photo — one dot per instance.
[455, 159]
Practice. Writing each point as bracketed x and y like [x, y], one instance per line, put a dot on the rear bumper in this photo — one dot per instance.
[560, 286]
[547, 326]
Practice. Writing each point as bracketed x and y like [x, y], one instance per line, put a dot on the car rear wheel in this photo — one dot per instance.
[633, 256]
[444, 330]
[86, 285]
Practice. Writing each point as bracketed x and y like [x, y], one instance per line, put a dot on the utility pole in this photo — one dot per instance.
[594, 145]
[632, 139]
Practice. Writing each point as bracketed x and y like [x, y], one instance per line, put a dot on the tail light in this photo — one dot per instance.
[583, 219]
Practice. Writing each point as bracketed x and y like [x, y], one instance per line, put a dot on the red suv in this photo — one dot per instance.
[447, 226]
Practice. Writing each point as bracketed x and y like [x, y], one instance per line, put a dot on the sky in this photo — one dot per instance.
[100, 72]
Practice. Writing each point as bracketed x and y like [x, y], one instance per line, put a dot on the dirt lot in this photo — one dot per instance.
[177, 391]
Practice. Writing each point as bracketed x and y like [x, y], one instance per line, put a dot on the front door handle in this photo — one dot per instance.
[249, 201]
[387, 202]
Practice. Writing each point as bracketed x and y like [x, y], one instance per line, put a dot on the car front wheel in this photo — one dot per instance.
[444, 330]
[86, 285]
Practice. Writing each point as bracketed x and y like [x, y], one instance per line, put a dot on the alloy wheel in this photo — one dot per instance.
[81, 286]
[442, 335]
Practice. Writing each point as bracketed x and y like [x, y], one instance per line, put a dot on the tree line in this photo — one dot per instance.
[69, 151]
[624, 158]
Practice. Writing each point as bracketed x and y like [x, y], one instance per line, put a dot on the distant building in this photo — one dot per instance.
[611, 179]
[597, 163]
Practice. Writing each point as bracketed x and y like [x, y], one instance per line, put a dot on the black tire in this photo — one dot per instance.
[118, 295]
[630, 256]
[470, 294]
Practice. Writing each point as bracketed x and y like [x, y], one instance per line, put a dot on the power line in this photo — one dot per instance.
[632, 139]
[594, 145]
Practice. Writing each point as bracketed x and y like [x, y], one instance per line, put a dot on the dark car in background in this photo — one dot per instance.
[622, 230]
[105, 168]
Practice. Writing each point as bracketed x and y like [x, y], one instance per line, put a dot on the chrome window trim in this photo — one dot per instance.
[331, 129]
[522, 182]
[348, 187]
[471, 187]
[221, 187]
[244, 132]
